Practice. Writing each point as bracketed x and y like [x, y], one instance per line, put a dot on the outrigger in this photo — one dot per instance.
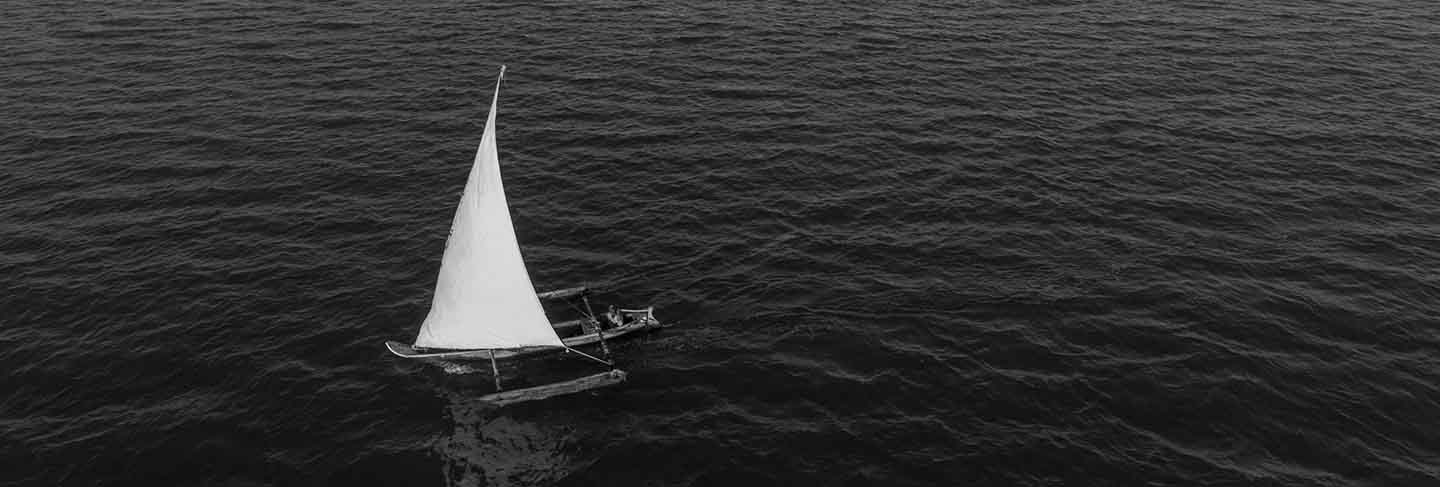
[584, 331]
[485, 307]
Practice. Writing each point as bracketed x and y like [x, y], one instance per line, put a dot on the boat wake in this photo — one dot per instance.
[456, 368]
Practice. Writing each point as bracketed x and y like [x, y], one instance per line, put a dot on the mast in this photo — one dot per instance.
[599, 330]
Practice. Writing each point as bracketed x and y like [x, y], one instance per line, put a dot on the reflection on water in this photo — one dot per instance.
[511, 446]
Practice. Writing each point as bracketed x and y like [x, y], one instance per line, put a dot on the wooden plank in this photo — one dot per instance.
[559, 388]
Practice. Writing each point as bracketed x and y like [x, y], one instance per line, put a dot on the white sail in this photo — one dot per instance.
[483, 296]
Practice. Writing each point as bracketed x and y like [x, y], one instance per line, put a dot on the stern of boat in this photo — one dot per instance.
[644, 317]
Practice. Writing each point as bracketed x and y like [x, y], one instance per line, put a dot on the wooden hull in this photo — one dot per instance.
[406, 351]
[559, 388]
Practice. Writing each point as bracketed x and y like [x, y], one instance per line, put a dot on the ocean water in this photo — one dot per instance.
[998, 243]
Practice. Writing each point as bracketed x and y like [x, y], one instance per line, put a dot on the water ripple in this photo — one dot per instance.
[997, 243]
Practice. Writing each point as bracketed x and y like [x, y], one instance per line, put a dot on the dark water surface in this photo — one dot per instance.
[1009, 243]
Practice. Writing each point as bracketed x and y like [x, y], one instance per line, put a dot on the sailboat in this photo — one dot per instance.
[485, 307]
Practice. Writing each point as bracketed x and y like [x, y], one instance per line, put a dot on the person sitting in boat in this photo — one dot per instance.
[615, 317]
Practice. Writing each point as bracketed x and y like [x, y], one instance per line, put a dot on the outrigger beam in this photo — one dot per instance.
[562, 293]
